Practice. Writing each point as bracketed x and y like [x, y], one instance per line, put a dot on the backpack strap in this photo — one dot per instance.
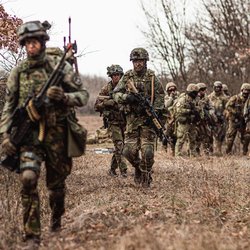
[152, 89]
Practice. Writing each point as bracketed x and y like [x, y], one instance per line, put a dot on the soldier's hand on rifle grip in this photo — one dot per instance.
[7, 147]
[55, 93]
[109, 103]
[131, 98]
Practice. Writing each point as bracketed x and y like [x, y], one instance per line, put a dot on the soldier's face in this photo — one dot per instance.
[116, 78]
[33, 47]
[139, 65]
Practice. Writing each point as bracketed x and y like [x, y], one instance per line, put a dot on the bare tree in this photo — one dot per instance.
[9, 47]
[165, 37]
[219, 41]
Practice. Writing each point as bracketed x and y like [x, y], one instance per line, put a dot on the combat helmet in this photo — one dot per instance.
[245, 86]
[217, 84]
[201, 85]
[224, 87]
[114, 69]
[170, 85]
[192, 88]
[139, 54]
[33, 29]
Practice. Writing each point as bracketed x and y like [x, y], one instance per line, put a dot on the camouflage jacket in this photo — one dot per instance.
[219, 103]
[28, 77]
[235, 107]
[135, 114]
[114, 113]
[186, 109]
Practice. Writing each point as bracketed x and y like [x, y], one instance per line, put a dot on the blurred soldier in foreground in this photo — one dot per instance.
[171, 95]
[207, 122]
[113, 118]
[132, 90]
[219, 100]
[47, 141]
[236, 117]
[187, 116]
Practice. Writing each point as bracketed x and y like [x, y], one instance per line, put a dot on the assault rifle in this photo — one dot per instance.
[151, 113]
[24, 118]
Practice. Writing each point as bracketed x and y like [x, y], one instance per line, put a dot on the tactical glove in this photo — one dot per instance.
[7, 147]
[55, 93]
[131, 99]
[109, 103]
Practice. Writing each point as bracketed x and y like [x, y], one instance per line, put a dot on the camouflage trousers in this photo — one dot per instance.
[233, 129]
[139, 149]
[117, 135]
[204, 138]
[219, 137]
[186, 133]
[58, 166]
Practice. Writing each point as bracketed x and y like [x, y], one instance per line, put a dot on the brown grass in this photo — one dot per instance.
[200, 203]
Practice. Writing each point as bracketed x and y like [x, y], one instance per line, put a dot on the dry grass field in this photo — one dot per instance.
[193, 204]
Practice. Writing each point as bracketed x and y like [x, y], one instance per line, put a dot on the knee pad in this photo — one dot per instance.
[29, 178]
[126, 151]
[149, 153]
[30, 160]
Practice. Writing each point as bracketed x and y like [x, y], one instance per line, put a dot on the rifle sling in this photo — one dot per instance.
[152, 89]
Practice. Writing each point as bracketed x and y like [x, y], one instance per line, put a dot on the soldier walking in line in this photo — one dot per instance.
[140, 136]
[171, 95]
[115, 119]
[219, 100]
[187, 116]
[47, 141]
[236, 121]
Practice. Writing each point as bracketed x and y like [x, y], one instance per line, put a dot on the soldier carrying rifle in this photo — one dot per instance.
[113, 118]
[41, 93]
[138, 87]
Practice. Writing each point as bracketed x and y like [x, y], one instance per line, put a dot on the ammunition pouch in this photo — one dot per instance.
[77, 137]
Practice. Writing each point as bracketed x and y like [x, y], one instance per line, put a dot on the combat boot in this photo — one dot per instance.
[55, 224]
[137, 177]
[112, 172]
[146, 179]
[124, 173]
[57, 207]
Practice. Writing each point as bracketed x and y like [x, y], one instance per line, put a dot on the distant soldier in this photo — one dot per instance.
[225, 90]
[171, 95]
[140, 135]
[114, 117]
[207, 122]
[219, 100]
[186, 117]
[237, 122]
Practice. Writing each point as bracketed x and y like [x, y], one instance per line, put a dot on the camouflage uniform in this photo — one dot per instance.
[169, 99]
[207, 122]
[140, 137]
[235, 107]
[114, 116]
[186, 118]
[219, 100]
[28, 78]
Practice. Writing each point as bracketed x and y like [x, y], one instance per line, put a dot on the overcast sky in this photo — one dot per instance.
[106, 30]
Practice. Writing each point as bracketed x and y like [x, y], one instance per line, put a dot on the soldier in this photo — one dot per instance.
[235, 107]
[186, 115]
[28, 78]
[115, 119]
[140, 136]
[208, 120]
[225, 90]
[219, 100]
[171, 95]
